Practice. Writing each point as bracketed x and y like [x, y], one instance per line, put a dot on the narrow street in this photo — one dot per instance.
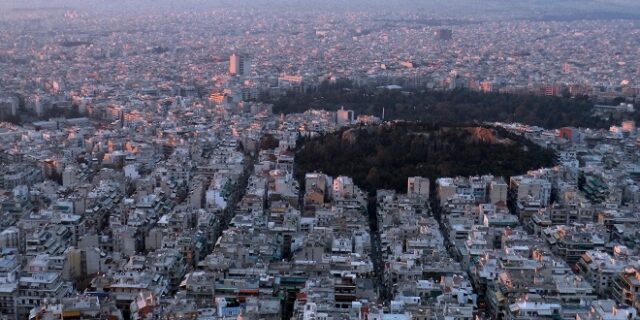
[376, 250]
[234, 198]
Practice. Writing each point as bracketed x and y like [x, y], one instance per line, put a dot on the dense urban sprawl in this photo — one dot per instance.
[142, 177]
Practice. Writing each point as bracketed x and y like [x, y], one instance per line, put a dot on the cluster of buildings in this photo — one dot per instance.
[90, 57]
[166, 205]
[107, 215]
[176, 207]
[138, 184]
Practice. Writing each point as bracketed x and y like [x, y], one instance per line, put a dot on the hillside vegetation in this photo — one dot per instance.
[451, 107]
[383, 157]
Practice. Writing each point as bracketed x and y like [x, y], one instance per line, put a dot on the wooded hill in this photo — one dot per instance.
[451, 107]
[383, 157]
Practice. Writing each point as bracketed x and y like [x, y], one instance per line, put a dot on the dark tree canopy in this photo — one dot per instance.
[268, 141]
[452, 107]
[383, 157]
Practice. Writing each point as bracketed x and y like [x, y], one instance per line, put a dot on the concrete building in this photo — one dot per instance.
[626, 286]
[418, 187]
[240, 65]
[344, 117]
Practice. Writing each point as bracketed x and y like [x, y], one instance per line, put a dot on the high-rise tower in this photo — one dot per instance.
[239, 64]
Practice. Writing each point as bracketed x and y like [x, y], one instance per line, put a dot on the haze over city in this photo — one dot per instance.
[319, 160]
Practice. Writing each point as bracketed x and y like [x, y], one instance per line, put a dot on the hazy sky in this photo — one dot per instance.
[479, 8]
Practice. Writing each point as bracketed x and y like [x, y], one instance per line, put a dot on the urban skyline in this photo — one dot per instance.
[319, 160]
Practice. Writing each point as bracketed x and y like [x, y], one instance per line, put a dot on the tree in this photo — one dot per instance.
[268, 141]
[385, 156]
[451, 107]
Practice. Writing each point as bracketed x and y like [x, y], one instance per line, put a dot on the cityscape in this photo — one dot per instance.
[319, 160]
